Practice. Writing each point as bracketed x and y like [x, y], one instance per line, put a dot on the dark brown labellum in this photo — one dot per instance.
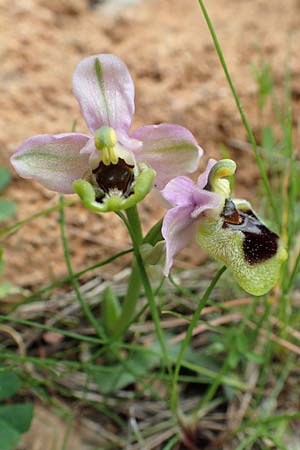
[115, 177]
[259, 243]
[231, 214]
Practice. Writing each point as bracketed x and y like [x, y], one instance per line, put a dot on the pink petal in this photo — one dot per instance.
[170, 150]
[54, 160]
[203, 178]
[178, 230]
[204, 200]
[104, 89]
[128, 142]
[89, 147]
[179, 191]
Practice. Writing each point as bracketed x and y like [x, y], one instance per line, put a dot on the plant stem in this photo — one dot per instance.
[147, 288]
[130, 301]
[135, 282]
[250, 134]
[134, 221]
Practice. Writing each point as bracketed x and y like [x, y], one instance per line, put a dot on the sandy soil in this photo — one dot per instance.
[178, 79]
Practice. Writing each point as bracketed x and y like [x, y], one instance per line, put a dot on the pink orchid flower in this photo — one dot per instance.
[228, 229]
[189, 200]
[111, 166]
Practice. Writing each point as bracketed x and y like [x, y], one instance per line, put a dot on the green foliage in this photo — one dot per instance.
[15, 418]
[5, 178]
[18, 416]
[111, 378]
[1, 261]
[9, 384]
[268, 139]
[7, 207]
[278, 150]
[7, 210]
[264, 79]
[9, 436]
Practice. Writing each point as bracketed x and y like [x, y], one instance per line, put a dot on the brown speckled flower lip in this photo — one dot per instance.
[259, 243]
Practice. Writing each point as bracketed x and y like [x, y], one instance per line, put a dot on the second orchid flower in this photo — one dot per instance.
[229, 230]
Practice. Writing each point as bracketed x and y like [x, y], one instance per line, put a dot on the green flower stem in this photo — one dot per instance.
[188, 336]
[250, 134]
[135, 282]
[147, 288]
[135, 224]
[130, 301]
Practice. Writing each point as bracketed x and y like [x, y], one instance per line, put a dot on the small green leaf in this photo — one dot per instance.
[9, 385]
[9, 437]
[7, 209]
[17, 416]
[5, 178]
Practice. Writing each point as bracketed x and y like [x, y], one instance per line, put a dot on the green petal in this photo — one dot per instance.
[141, 188]
[222, 169]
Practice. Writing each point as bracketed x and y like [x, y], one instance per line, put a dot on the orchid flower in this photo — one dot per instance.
[112, 168]
[227, 229]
